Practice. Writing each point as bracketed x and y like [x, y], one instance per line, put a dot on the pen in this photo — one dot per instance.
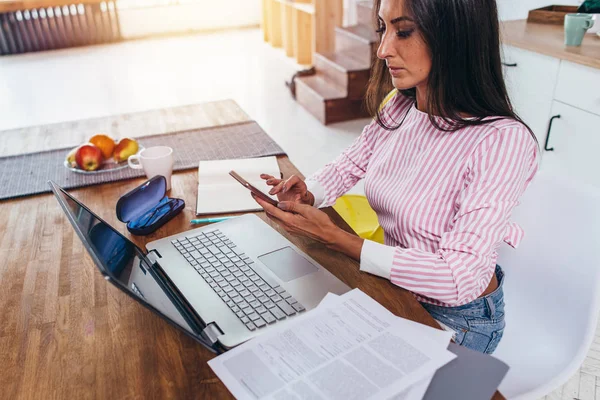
[209, 220]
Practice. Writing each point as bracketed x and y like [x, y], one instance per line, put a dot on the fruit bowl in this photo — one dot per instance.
[108, 165]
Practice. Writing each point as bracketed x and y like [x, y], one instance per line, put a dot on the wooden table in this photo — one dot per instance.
[67, 334]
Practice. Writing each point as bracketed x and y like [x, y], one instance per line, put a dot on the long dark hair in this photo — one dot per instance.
[466, 70]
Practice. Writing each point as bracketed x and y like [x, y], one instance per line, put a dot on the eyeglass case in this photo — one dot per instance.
[147, 207]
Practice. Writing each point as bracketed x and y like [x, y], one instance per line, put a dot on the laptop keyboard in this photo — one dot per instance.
[255, 298]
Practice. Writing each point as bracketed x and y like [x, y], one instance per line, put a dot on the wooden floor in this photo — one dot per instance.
[72, 84]
[146, 74]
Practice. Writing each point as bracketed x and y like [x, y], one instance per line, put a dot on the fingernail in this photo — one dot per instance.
[284, 188]
[269, 181]
[271, 191]
[281, 206]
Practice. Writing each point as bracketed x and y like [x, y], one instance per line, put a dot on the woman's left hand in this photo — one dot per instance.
[305, 220]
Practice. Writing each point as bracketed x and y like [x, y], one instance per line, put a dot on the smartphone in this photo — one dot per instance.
[253, 189]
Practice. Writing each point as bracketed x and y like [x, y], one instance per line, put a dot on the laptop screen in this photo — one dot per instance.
[120, 259]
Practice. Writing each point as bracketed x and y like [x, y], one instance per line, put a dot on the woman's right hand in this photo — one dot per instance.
[291, 189]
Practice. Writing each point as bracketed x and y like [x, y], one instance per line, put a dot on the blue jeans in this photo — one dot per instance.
[478, 325]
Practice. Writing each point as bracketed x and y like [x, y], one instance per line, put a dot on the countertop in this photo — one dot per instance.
[549, 40]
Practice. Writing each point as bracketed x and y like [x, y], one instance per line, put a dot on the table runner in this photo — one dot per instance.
[27, 174]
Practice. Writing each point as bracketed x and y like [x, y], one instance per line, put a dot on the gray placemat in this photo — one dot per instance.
[28, 174]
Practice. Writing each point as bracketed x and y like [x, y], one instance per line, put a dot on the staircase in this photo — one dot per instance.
[336, 93]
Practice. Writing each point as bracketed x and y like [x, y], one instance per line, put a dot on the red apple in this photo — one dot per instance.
[88, 157]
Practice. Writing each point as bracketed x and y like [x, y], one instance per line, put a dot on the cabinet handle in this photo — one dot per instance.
[548, 134]
[509, 64]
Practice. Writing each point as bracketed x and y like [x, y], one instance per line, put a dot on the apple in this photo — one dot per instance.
[88, 157]
[125, 149]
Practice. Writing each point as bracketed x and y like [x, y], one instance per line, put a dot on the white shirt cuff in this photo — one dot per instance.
[317, 190]
[376, 259]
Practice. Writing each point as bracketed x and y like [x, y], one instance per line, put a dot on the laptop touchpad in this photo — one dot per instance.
[287, 264]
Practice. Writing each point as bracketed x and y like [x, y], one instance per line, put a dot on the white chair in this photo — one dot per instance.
[552, 287]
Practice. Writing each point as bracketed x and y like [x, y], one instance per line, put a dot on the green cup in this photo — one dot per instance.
[575, 27]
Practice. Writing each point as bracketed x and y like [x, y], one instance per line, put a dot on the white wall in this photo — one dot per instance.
[194, 15]
[518, 9]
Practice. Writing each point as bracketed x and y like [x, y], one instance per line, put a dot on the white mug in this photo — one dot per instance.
[154, 161]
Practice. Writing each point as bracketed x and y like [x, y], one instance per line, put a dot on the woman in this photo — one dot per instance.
[445, 161]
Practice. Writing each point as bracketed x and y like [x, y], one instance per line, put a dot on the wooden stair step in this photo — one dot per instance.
[323, 87]
[327, 101]
[344, 71]
[364, 13]
[344, 61]
[362, 33]
[359, 40]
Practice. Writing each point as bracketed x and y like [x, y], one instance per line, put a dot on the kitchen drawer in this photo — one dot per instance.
[579, 86]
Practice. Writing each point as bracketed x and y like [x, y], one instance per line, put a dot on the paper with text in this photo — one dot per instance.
[439, 337]
[350, 347]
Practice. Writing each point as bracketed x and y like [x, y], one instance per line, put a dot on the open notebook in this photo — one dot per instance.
[219, 193]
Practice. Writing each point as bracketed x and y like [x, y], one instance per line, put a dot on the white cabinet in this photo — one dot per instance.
[540, 87]
[530, 79]
[579, 86]
[575, 138]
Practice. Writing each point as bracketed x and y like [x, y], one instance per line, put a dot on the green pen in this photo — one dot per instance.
[209, 220]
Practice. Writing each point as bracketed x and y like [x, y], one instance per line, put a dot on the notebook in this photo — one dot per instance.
[219, 193]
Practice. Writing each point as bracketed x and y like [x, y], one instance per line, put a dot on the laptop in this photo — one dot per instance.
[221, 284]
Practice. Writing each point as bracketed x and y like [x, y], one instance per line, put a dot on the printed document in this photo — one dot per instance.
[350, 347]
[440, 339]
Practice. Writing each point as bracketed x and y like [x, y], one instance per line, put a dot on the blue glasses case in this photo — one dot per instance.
[147, 207]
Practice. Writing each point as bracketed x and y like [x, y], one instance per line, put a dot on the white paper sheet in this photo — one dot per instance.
[350, 347]
[439, 337]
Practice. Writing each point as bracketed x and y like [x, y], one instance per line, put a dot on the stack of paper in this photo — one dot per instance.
[350, 347]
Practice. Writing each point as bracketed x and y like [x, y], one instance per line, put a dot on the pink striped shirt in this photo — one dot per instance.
[443, 199]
